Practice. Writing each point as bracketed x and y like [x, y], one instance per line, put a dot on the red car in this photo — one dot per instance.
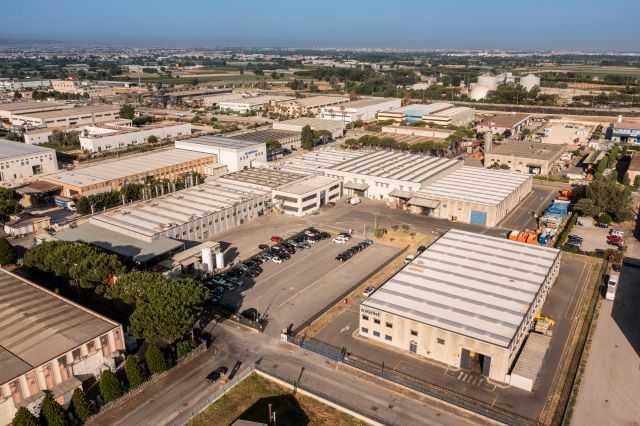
[276, 239]
[615, 240]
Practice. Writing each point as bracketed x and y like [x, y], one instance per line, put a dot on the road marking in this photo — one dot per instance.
[345, 329]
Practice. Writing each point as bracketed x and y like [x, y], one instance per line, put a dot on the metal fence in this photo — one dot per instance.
[321, 348]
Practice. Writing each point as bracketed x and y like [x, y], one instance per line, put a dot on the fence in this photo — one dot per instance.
[438, 392]
[321, 348]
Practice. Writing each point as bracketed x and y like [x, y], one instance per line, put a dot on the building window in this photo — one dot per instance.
[376, 334]
[365, 317]
[387, 338]
[413, 347]
[440, 341]
[364, 330]
[388, 324]
[376, 321]
[414, 333]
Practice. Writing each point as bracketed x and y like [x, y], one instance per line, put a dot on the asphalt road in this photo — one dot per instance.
[523, 216]
[172, 400]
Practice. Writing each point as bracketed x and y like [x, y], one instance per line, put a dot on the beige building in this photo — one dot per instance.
[8, 110]
[112, 175]
[468, 301]
[21, 163]
[309, 106]
[307, 195]
[336, 128]
[532, 158]
[69, 117]
[49, 343]
[499, 124]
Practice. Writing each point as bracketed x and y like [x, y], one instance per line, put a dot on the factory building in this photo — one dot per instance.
[48, 343]
[307, 195]
[286, 138]
[315, 162]
[376, 174]
[468, 301]
[532, 158]
[193, 214]
[235, 154]
[110, 137]
[20, 163]
[67, 117]
[624, 132]
[499, 124]
[112, 175]
[336, 128]
[360, 110]
[425, 132]
[309, 106]
[441, 113]
[252, 104]
[471, 195]
[8, 110]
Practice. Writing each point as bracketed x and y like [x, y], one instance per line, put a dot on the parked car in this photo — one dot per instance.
[338, 240]
[217, 374]
[420, 249]
[263, 247]
[275, 239]
[276, 259]
[251, 314]
[368, 291]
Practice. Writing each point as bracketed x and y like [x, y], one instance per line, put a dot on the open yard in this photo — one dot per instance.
[250, 400]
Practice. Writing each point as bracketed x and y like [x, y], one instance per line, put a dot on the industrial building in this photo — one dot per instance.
[425, 132]
[499, 124]
[468, 301]
[624, 132]
[336, 128]
[360, 110]
[236, 154]
[112, 175]
[67, 117]
[20, 163]
[49, 343]
[109, 137]
[309, 106]
[470, 195]
[532, 158]
[261, 178]
[8, 110]
[441, 113]
[193, 214]
[315, 162]
[307, 195]
[286, 138]
[252, 104]
[376, 174]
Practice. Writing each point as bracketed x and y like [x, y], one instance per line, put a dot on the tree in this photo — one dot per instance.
[110, 388]
[52, 413]
[134, 373]
[127, 111]
[307, 138]
[636, 182]
[24, 417]
[80, 405]
[165, 310]
[602, 166]
[152, 139]
[184, 347]
[272, 144]
[83, 206]
[156, 362]
[9, 203]
[586, 207]
[7, 252]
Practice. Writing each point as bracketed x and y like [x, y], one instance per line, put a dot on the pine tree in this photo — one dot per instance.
[110, 388]
[52, 413]
[80, 405]
[155, 359]
[24, 417]
[7, 252]
[133, 371]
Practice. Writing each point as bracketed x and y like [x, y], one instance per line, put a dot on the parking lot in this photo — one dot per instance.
[561, 305]
[593, 238]
[291, 293]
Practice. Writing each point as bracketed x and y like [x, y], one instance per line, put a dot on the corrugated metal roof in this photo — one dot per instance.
[471, 284]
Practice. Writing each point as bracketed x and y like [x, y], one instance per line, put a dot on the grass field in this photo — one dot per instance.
[249, 400]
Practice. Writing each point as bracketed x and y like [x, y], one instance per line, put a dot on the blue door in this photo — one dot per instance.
[478, 218]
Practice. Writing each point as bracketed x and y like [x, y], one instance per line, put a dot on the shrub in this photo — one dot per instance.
[110, 388]
[7, 252]
[134, 373]
[80, 405]
[52, 413]
[184, 347]
[24, 417]
[605, 218]
[156, 362]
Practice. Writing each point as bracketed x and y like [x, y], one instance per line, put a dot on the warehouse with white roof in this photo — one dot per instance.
[236, 154]
[473, 195]
[468, 301]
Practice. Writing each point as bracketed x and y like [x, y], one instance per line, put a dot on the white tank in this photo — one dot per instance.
[219, 260]
[478, 92]
[207, 259]
[488, 141]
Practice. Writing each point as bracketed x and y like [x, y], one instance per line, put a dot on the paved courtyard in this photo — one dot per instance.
[610, 388]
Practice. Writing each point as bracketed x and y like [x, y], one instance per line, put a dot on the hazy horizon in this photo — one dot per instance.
[462, 24]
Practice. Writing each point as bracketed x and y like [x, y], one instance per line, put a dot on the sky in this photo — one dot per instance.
[428, 24]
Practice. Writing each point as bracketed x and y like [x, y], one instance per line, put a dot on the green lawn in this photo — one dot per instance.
[250, 399]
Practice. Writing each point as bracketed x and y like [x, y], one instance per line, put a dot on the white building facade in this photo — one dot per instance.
[360, 110]
[308, 195]
[108, 138]
[233, 153]
[20, 163]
